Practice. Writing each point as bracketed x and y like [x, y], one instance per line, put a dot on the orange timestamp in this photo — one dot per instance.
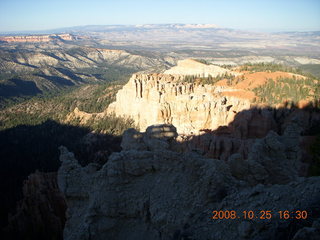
[260, 214]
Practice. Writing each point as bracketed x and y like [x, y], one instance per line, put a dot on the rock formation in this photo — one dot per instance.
[150, 191]
[160, 98]
[192, 107]
[208, 118]
[81, 116]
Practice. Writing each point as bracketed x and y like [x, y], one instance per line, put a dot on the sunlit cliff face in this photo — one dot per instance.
[151, 99]
[191, 106]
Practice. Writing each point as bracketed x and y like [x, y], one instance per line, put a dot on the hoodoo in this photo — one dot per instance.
[165, 98]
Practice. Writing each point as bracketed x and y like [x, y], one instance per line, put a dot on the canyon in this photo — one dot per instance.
[154, 137]
[200, 148]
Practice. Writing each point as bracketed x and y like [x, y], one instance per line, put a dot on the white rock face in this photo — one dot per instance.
[193, 67]
[161, 98]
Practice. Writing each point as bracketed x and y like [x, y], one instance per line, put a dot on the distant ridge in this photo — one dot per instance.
[37, 38]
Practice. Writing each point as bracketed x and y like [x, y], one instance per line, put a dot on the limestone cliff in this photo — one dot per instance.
[164, 98]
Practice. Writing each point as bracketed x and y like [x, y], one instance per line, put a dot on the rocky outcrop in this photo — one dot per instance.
[156, 137]
[82, 117]
[160, 98]
[237, 137]
[273, 159]
[150, 191]
[41, 212]
[66, 37]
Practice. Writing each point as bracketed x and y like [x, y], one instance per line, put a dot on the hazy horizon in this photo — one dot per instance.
[66, 28]
[262, 16]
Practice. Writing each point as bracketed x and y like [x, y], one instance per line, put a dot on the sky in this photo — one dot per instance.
[257, 15]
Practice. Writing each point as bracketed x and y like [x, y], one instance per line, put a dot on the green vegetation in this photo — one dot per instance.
[111, 125]
[59, 69]
[55, 106]
[19, 89]
[208, 80]
[313, 69]
[227, 66]
[109, 73]
[268, 67]
[202, 61]
[288, 89]
[272, 67]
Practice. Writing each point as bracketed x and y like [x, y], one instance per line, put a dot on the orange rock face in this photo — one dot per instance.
[253, 80]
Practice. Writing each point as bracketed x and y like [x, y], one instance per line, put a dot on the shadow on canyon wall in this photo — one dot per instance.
[254, 123]
[26, 149]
